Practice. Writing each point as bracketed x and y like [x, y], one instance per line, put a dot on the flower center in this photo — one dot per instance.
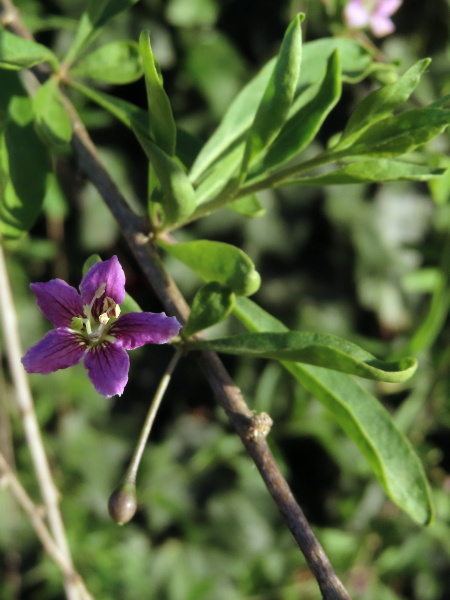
[95, 329]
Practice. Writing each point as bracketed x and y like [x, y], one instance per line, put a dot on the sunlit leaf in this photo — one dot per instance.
[380, 103]
[117, 62]
[249, 206]
[356, 61]
[313, 349]
[19, 53]
[370, 171]
[93, 19]
[302, 127]
[278, 96]
[212, 303]
[216, 261]
[401, 133]
[178, 197]
[363, 418]
[52, 121]
[129, 114]
[25, 170]
[162, 124]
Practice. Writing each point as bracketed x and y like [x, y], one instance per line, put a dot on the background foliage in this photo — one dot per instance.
[366, 262]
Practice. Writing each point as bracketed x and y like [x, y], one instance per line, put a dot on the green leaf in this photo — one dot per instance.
[317, 349]
[162, 124]
[52, 121]
[178, 197]
[136, 119]
[19, 53]
[25, 170]
[278, 96]
[302, 127]
[216, 261]
[249, 206]
[356, 60]
[364, 420]
[129, 114]
[93, 19]
[400, 133]
[380, 103]
[389, 453]
[370, 171]
[118, 62]
[92, 260]
[224, 175]
[212, 303]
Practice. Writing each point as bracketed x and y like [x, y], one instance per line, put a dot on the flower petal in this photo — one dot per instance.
[381, 25]
[136, 329]
[58, 301]
[108, 367]
[388, 7]
[356, 15]
[108, 272]
[58, 349]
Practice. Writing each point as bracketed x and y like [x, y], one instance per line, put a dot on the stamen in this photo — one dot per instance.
[103, 318]
[110, 307]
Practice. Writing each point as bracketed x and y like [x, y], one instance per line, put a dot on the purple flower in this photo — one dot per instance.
[88, 327]
[372, 13]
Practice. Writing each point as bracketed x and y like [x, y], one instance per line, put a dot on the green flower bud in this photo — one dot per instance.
[122, 503]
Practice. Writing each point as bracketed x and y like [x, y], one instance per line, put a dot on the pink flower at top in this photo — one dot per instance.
[372, 13]
[88, 327]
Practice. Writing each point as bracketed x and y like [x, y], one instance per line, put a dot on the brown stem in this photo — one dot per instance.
[226, 392]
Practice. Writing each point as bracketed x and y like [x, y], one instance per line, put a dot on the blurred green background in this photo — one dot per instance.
[368, 263]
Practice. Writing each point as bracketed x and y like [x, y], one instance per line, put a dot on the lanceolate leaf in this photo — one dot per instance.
[52, 121]
[381, 103]
[363, 418]
[223, 174]
[356, 62]
[278, 96]
[249, 206]
[129, 114]
[93, 19]
[369, 425]
[118, 62]
[313, 349]
[212, 303]
[178, 196]
[216, 261]
[162, 124]
[19, 53]
[370, 171]
[137, 119]
[303, 126]
[401, 133]
[25, 170]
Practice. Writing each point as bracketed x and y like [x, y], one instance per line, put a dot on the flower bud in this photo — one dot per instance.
[122, 503]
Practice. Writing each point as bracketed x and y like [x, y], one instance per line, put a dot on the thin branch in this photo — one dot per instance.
[122, 503]
[132, 470]
[10, 480]
[273, 180]
[24, 400]
[226, 392]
